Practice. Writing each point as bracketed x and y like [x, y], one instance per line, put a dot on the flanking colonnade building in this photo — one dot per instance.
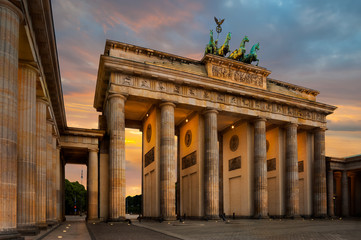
[219, 136]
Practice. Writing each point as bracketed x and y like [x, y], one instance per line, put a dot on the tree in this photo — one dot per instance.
[134, 204]
[75, 195]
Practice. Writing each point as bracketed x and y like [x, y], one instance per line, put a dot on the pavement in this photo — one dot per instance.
[334, 229]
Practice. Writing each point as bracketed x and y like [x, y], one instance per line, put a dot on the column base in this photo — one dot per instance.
[51, 223]
[13, 235]
[119, 219]
[323, 216]
[260, 217]
[170, 218]
[42, 226]
[93, 220]
[212, 217]
[293, 217]
[28, 230]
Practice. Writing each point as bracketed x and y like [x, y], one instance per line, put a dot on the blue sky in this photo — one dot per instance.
[315, 44]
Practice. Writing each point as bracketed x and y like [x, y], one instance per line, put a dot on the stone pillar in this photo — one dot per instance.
[53, 180]
[27, 76]
[58, 213]
[330, 204]
[211, 165]
[93, 184]
[49, 172]
[167, 162]
[40, 207]
[319, 186]
[116, 157]
[292, 190]
[345, 200]
[260, 170]
[10, 17]
[103, 178]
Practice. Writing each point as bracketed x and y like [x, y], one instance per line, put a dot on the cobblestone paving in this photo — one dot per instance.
[260, 229]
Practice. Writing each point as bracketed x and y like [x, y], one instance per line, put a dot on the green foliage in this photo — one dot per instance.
[134, 204]
[74, 190]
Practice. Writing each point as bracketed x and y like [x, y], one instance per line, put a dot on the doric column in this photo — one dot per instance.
[27, 76]
[116, 157]
[53, 180]
[49, 172]
[319, 186]
[345, 200]
[330, 204]
[40, 206]
[93, 184]
[167, 162]
[9, 46]
[211, 165]
[58, 214]
[260, 169]
[292, 190]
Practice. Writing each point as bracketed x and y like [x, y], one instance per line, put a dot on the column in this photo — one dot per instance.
[103, 178]
[58, 215]
[211, 165]
[292, 190]
[53, 180]
[49, 172]
[167, 162]
[260, 169]
[345, 200]
[330, 205]
[9, 43]
[93, 184]
[116, 157]
[27, 76]
[40, 207]
[319, 189]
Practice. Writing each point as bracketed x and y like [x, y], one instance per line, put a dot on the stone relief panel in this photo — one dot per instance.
[149, 132]
[149, 157]
[188, 138]
[233, 143]
[300, 166]
[189, 160]
[237, 76]
[271, 164]
[234, 163]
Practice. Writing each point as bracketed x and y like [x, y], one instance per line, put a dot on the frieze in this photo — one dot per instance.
[213, 95]
[189, 160]
[237, 76]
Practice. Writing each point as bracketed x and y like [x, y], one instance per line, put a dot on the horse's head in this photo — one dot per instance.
[229, 36]
[257, 46]
[245, 39]
[211, 32]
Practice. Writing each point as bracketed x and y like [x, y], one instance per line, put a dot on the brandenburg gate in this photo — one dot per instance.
[247, 145]
[220, 138]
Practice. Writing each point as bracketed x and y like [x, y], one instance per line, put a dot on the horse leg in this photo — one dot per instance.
[257, 62]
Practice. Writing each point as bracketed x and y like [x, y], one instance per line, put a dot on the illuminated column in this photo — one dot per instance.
[330, 205]
[260, 170]
[293, 192]
[345, 200]
[40, 206]
[58, 213]
[116, 157]
[49, 172]
[27, 76]
[9, 46]
[211, 165]
[167, 162]
[93, 184]
[319, 189]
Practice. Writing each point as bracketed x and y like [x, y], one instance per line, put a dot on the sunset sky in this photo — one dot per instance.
[315, 44]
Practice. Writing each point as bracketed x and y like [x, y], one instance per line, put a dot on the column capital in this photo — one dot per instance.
[93, 150]
[210, 110]
[167, 103]
[43, 100]
[118, 95]
[319, 129]
[260, 119]
[291, 124]
[28, 64]
[11, 6]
